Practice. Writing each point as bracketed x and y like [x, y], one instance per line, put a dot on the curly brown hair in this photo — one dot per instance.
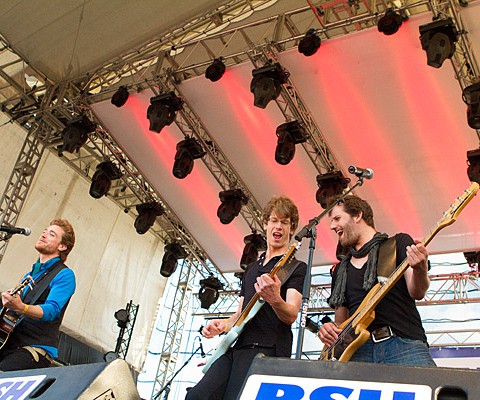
[68, 236]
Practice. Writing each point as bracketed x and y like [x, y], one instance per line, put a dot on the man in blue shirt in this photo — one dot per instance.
[40, 307]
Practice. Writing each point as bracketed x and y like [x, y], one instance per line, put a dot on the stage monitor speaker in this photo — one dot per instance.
[286, 379]
[101, 381]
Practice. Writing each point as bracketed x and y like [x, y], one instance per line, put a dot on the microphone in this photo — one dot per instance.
[202, 353]
[13, 230]
[361, 172]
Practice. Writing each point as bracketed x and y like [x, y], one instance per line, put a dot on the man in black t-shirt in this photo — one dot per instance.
[269, 331]
[396, 334]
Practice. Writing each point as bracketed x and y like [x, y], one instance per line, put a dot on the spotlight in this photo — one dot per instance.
[289, 134]
[173, 252]
[187, 151]
[472, 258]
[473, 162]
[390, 22]
[232, 201]
[310, 43]
[122, 318]
[267, 83]
[254, 243]
[147, 212]
[208, 293]
[216, 70]
[105, 173]
[162, 109]
[330, 186]
[75, 134]
[311, 326]
[471, 96]
[120, 97]
[110, 356]
[438, 40]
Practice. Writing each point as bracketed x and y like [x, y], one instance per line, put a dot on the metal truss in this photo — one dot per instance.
[125, 334]
[175, 328]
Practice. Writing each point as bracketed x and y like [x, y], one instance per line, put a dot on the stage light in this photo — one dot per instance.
[310, 43]
[232, 201]
[215, 70]
[105, 173]
[471, 96]
[162, 110]
[330, 186]
[473, 162]
[147, 213]
[473, 259]
[122, 318]
[438, 40]
[390, 22]
[75, 134]
[254, 243]
[188, 150]
[208, 293]
[173, 252]
[120, 97]
[267, 83]
[289, 134]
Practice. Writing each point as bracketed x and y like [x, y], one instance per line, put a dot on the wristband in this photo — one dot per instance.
[25, 309]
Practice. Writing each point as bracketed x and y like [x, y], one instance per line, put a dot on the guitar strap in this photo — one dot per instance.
[45, 280]
[287, 270]
[387, 257]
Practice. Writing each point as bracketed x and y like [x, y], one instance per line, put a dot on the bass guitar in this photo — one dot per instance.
[354, 330]
[9, 318]
[253, 306]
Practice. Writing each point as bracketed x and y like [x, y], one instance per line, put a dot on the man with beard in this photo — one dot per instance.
[396, 334]
[269, 331]
[33, 343]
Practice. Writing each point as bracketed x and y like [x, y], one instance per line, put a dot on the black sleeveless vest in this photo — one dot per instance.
[34, 332]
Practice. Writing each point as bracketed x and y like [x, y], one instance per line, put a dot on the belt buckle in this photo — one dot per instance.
[388, 335]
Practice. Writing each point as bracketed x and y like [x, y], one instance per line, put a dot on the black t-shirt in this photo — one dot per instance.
[265, 329]
[397, 309]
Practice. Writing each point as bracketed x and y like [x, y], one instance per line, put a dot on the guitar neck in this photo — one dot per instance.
[287, 257]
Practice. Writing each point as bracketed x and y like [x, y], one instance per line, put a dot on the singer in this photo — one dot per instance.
[396, 334]
[38, 310]
[269, 331]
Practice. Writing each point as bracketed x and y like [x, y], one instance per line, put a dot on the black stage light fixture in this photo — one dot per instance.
[215, 70]
[120, 97]
[330, 186]
[267, 83]
[173, 252]
[438, 40]
[188, 150]
[162, 110]
[390, 22]
[471, 96]
[75, 134]
[122, 318]
[289, 134]
[105, 173]
[254, 243]
[147, 212]
[208, 293]
[232, 201]
[473, 162]
[310, 43]
[472, 258]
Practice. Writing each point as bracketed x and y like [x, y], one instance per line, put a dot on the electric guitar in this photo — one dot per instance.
[9, 318]
[354, 330]
[251, 309]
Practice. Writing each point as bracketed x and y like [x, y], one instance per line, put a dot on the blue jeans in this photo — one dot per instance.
[395, 350]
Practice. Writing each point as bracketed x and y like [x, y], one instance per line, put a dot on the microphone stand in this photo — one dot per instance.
[166, 387]
[310, 231]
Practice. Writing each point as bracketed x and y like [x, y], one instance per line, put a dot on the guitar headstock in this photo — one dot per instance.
[450, 216]
[28, 281]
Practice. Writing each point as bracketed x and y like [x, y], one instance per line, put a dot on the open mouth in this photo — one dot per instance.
[277, 235]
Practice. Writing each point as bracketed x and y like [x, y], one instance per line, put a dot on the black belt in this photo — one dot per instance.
[381, 334]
